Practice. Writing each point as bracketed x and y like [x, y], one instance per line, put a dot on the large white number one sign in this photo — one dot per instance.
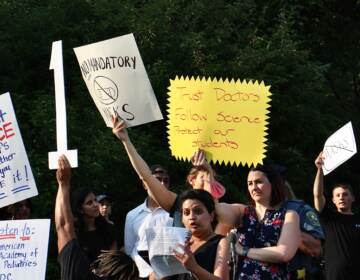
[56, 64]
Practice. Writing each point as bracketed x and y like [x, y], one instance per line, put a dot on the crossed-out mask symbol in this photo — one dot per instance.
[106, 90]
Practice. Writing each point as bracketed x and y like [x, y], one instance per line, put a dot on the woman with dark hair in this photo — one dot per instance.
[267, 234]
[74, 261]
[93, 232]
[206, 254]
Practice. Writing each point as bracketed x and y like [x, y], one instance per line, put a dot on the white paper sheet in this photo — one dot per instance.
[161, 243]
[116, 78]
[338, 148]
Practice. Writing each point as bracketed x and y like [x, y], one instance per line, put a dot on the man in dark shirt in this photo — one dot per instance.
[342, 228]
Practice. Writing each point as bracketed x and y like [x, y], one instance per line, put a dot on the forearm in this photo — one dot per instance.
[286, 246]
[274, 254]
[318, 190]
[162, 195]
[64, 220]
[310, 245]
[138, 163]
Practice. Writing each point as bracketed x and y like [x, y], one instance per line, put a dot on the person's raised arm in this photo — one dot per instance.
[286, 247]
[162, 195]
[229, 214]
[318, 188]
[64, 220]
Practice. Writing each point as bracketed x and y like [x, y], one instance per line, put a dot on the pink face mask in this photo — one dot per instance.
[217, 190]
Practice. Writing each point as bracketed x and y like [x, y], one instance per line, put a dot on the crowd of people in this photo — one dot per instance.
[274, 236]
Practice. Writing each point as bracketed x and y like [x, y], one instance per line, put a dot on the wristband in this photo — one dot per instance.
[245, 251]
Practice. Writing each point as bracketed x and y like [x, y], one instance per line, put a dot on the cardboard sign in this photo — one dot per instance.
[338, 148]
[116, 78]
[16, 178]
[23, 249]
[56, 64]
[227, 119]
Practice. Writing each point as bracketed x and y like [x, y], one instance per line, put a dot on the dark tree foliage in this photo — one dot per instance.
[308, 51]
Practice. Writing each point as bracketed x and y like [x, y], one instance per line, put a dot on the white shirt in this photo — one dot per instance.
[137, 221]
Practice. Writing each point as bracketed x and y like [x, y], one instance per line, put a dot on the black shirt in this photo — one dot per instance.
[92, 242]
[74, 262]
[342, 244]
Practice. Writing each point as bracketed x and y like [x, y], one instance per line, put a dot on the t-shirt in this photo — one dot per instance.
[92, 242]
[74, 263]
[342, 244]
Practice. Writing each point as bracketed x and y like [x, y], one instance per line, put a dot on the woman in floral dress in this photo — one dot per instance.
[268, 235]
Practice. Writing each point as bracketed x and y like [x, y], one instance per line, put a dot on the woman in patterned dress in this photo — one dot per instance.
[267, 235]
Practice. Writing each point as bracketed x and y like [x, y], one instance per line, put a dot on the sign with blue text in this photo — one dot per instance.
[23, 249]
[116, 78]
[16, 178]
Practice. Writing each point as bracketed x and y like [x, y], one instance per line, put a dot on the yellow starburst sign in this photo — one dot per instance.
[228, 119]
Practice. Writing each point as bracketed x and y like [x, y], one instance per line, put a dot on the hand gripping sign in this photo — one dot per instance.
[116, 78]
[16, 178]
[56, 63]
[227, 119]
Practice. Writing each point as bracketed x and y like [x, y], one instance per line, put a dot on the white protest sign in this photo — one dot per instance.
[338, 148]
[16, 178]
[56, 64]
[23, 249]
[162, 241]
[116, 78]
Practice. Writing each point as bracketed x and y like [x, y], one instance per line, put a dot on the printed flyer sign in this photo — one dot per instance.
[23, 249]
[338, 148]
[116, 78]
[16, 178]
[227, 119]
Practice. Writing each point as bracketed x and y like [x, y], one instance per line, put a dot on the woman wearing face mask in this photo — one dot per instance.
[206, 254]
[267, 235]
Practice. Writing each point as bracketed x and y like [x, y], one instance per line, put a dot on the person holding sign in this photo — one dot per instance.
[268, 235]
[74, 261]
[206, 254]
[200, 177]
[342, 228]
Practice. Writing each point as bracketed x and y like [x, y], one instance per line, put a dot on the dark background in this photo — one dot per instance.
[308, 51]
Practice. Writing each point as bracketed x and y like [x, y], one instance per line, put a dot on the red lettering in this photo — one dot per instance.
[5, 131]
[220, 117]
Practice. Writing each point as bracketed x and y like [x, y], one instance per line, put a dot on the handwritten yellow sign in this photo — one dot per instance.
[228, 119]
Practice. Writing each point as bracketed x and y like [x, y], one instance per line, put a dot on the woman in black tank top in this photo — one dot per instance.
[206, 254]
